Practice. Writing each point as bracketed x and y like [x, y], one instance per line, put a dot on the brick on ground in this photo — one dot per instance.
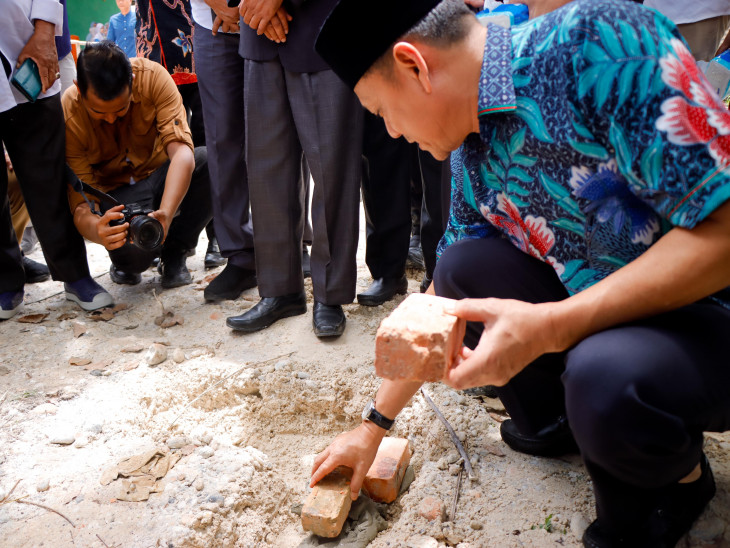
[326, 508]
[383, 480]
[418, 341]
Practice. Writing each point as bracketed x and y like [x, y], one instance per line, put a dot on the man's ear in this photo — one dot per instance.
[410, 61]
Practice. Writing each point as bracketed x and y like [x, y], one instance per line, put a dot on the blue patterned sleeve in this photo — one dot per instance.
[647, 107]
[465, 221]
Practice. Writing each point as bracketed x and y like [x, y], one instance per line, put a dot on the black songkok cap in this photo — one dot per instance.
[358, 32]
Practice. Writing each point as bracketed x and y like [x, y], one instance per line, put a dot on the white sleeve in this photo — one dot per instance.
[50, 11]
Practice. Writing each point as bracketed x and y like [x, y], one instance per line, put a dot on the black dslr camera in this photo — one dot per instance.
[144, 231]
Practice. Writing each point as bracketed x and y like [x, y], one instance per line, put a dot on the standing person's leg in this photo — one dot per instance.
[220, 82]
[273, 159]
[328, 120]
[639, 397]
[386, 199]
[12, 276]
[196, 119]
[432, 222]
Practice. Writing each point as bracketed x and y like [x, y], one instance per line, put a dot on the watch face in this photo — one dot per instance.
[367, 410]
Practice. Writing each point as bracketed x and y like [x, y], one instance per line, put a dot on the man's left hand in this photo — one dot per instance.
[42, 49]
[257, 14]
[165, 220]
[515, 334]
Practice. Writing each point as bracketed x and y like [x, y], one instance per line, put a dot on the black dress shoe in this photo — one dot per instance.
[552, 441]
[678, 507]
[174, 271]
[213, 255]
[328, 320]
[125, 278]
[383, 289]
[306, 263]
[35, 272]
[267, 311]
[230, 283]
[425, 283]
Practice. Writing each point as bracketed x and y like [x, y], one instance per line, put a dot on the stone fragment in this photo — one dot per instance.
[45, 409]
[431, 508]
[43, 485]
[326, 508]
[418, 341]
[156, 354]
[176, 442]
[178, 356]
[199, 484]
[383, 480]
[206, 452]
[65, 438]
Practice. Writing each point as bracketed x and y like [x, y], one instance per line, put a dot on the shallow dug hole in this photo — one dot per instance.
[246, 415]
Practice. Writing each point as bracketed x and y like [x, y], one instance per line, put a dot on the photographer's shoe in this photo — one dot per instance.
[10, 303]
[174, 271]
[267, 311]
[230, 283]
[328, 320]
[35, 272]
[124, 278]
[678, 507]
[383, 289]
[213, 255]
[88, 294]
[552, 441]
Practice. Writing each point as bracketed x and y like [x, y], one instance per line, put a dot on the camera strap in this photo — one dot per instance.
[82, 188]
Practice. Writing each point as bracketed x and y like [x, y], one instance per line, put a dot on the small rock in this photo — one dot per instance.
[454, 469]
[199, 484]
[476, 525]
[206, 452]
[81, 442]
[215, 497]
[94, 428]
[43, 485]
[442, 464]
[178, 356]
[578, 524]
[181, 476]
[452, 457]
[156, 354]
[45, 409]
[431, 508]
[96, 372]
[282, 365]
[461, 436]
[66, 438]
[302, 375]
[177, 442]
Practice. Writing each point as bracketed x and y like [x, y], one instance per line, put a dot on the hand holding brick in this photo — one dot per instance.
[418, 341]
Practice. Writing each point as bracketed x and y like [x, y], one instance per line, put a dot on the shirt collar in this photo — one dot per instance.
[496, 87]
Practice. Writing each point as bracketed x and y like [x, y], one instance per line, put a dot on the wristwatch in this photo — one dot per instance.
[371, 414]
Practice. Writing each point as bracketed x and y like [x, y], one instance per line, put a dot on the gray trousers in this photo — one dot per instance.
[287, 113]
[220, 81]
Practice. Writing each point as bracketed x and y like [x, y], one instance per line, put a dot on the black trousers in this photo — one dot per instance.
[638, 396]
[194, 213]
[35, 137]
[388, 167]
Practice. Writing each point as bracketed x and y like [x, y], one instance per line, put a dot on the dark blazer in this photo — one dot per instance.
[297, 53]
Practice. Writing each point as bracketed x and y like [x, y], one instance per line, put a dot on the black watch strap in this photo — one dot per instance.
[371, 414]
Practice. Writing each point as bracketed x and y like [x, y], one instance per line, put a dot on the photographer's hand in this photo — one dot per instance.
[111, 237]
[164, 218]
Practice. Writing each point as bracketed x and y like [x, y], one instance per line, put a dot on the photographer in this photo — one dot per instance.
[127, 136]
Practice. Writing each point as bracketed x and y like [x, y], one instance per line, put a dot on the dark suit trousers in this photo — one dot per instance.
[35, 138]
[220, 81]
[638, 396]
[287, 113]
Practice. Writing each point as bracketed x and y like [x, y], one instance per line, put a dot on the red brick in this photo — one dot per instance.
[326, 508]
[418, 341]
[385, 476]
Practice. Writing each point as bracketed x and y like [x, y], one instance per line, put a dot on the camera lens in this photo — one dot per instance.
[146, 232]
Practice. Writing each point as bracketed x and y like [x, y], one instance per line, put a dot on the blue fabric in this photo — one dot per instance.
[63, 42]
[121, 31]
[616, 138]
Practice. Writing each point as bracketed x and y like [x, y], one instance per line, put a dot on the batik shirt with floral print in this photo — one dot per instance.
[598, 134]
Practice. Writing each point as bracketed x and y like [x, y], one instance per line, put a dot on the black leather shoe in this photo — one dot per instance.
[328, 320]
[415, 257]
[267, 311]
[425, 283]
[678, 507]
[174, 271]
[230, 283]
[552, 441]
[213, 255]
[125, 278]
[35, 272]
[383, 289]
[306, 263]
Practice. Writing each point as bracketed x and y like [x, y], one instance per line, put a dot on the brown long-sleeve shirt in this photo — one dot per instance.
[107, 156]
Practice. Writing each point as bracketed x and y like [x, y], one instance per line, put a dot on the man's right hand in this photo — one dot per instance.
[355, 449]
[42, 49]
[112, 237]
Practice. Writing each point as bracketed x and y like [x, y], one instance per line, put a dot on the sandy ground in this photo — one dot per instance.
[247, 444]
